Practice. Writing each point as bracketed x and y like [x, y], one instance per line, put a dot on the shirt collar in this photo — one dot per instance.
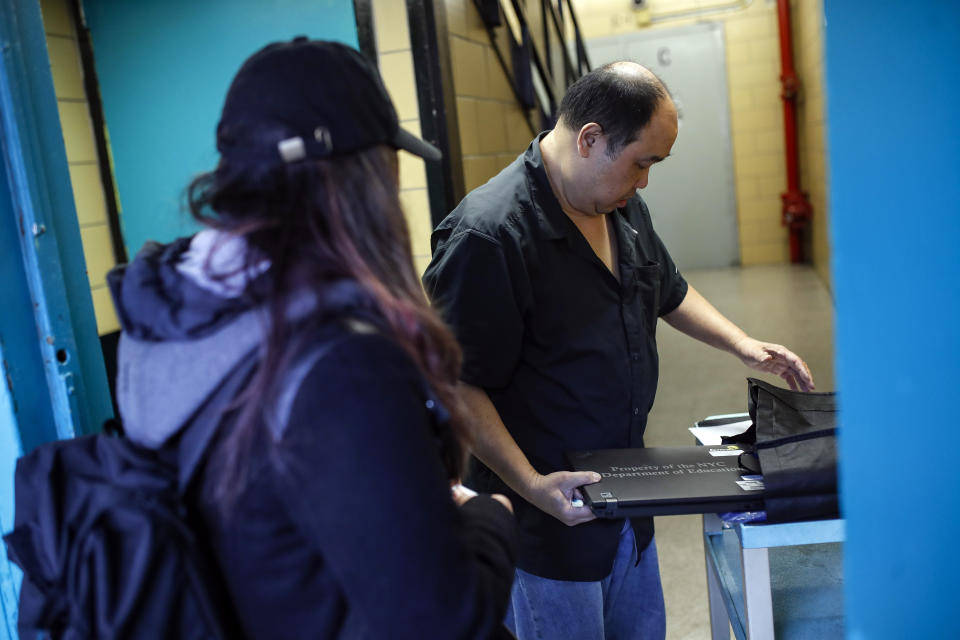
[550, 216]
[626, 235]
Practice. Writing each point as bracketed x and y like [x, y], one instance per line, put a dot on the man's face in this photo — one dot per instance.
[613, 181]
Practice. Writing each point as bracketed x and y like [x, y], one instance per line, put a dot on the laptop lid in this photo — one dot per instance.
[667, 481]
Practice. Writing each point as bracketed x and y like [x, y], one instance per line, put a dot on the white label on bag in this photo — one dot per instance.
[751, 485]
[729, 450]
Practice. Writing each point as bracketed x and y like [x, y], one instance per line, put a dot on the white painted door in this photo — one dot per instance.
[691, 194]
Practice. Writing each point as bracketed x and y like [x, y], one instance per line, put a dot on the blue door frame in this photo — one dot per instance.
[54, 381]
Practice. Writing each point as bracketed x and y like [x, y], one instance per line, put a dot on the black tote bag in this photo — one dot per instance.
[794, 440]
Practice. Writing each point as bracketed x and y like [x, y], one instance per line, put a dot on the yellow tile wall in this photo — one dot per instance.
[756, 112]
[396, 66]
[811, 128]
[493, 127]
[81, 156]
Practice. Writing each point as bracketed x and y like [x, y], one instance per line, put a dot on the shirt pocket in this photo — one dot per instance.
[646, 291]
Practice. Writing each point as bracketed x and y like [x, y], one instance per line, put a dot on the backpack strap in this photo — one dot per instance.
[197, 435]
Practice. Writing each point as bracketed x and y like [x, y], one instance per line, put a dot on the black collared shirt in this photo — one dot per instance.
[566, 352]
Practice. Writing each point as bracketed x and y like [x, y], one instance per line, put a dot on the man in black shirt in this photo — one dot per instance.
[552, 279]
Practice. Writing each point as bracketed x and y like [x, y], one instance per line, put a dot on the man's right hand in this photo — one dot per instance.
[555, 492]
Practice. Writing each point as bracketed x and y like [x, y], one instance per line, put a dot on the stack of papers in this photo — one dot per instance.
[710, 430]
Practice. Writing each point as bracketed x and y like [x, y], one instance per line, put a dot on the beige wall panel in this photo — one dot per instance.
[678, 5]
[753, 73]
[467, 123]
[815, 172]
[469, 68]
[56, 18]
[759, 210]
[811, 117]
[772, 253]
[477, 170]
[742, 99]
[767, 97]
[760, 165]
[770, 142]
[88, 194]
[745, 140]
[456, 11]
[464, 21]
[397, 71]
[412, 125]
[413, 173]
[504, 159]
[763, 231]
[738, 52]
[412, 168]
[765, 47]
[491, 127]
[498, 85]
[818, 185]
[98, 252]
[820, 255]
[772, 187]
[77, 131]
[752, 24]
[744, 147]
[815, 104]
[756, 119]
[809, 58]
[104, 311]
[534, 16]
[596, 23]
[416, 207]
[420, 264]
[663, 6]
[473, 24]
[519, 134]
[392, 27]
[746, 189]
[65, 67]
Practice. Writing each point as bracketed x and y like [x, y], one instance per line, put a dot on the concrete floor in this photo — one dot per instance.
[783, 304]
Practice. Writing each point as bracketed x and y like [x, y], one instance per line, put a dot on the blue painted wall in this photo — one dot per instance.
[164, 67]
[894, 144]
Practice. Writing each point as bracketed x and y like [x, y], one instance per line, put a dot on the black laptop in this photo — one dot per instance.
[667, 481]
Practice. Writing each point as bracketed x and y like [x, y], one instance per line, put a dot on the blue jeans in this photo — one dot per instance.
[626, 605]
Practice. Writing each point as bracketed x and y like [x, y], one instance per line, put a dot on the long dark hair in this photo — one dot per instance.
[319, 222]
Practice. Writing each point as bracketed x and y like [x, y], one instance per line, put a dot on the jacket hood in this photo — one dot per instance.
[186, 328]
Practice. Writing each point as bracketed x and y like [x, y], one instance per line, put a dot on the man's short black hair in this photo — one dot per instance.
[621, 103]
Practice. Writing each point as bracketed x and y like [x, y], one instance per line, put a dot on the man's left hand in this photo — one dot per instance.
[776, 359]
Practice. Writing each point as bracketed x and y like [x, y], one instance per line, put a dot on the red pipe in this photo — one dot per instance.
[796, 211]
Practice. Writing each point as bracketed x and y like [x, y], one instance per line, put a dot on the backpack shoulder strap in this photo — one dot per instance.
[197, 435]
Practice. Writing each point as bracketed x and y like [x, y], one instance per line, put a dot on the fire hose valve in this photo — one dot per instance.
[797, 211]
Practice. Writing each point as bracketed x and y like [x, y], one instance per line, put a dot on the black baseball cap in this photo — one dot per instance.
[309, 99]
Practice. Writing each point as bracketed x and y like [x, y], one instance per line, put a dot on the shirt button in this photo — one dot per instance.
[636, 411]
[429, 404]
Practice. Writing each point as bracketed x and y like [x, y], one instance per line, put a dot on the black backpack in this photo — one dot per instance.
[109, 541]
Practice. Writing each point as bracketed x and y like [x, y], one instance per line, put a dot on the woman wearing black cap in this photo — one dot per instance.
[327, 489]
